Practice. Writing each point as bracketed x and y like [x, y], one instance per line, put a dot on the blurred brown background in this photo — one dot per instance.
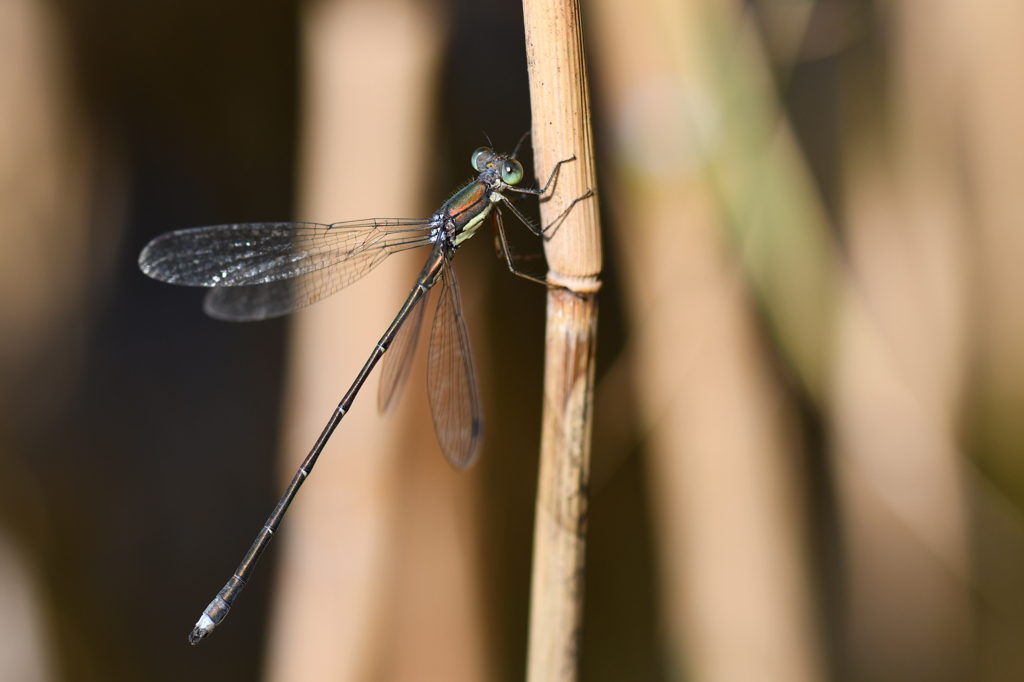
[808, 440]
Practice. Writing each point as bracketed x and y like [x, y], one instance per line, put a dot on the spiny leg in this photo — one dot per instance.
[543, 231]
[499, 237]
[503, 250]
[502, 247]
[551, 178]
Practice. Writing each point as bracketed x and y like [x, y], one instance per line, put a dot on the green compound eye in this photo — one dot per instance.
[511, 172]
[481, 157]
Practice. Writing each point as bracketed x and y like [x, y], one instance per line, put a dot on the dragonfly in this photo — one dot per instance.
[257, 271]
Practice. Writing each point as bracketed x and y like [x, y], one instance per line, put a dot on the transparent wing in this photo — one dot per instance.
[257, 253]
[261, 270]
[451, 381]
[280, 297]
[398, 360]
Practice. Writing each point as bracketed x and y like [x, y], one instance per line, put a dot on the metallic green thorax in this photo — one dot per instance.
[462, 215]
[467, 210]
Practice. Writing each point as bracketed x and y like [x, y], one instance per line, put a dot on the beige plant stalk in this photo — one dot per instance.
[561, 129]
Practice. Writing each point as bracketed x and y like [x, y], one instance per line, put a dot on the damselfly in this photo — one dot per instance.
[262, 270]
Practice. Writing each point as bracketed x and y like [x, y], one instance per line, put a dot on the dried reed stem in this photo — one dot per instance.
[561, 129]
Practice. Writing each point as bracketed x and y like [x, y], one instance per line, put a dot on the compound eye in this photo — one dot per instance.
[481, 157]
[511, 172]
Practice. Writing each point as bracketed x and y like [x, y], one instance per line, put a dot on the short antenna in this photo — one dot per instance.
[520, 143]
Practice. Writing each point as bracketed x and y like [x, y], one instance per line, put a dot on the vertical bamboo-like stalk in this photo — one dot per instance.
[561, 129]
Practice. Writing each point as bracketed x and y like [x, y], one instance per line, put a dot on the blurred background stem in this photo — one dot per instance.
[364, 570]
[723, 443]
